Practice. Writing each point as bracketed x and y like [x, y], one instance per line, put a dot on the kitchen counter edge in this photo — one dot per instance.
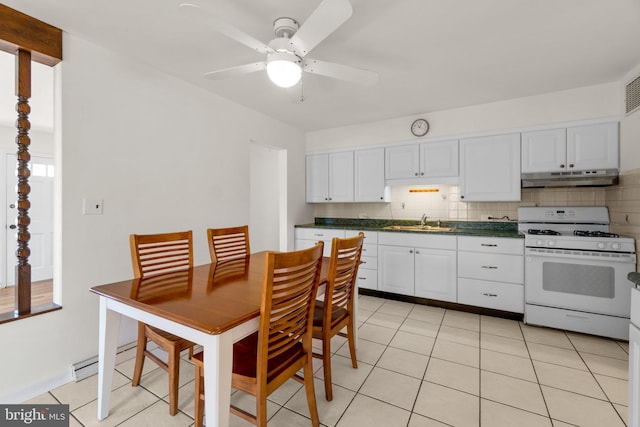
[462, 228]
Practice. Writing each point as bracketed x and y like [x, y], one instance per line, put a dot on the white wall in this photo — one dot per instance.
[165, 156]
[264, 222]
[570, 105]
[630, 131]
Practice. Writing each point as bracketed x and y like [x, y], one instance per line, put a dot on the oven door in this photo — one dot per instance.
[593, 282]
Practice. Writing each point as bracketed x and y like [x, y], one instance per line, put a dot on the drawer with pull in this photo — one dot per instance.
[324, 234]
[367, 278]
[498, 296]
[368, 263]
[494, 245]
[498, 267]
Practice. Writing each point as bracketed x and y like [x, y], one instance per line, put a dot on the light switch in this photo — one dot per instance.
[92, 206]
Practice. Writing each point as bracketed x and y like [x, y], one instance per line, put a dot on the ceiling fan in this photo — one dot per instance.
[286, 53]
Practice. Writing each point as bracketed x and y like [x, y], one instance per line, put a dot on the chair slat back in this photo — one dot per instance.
[342, 275]
[286, 314]
[153, 254]
[228, 243]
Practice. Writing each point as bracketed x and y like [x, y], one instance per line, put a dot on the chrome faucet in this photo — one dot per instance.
[423, 220]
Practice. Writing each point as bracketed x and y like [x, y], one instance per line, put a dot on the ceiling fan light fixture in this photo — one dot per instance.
[283, 68]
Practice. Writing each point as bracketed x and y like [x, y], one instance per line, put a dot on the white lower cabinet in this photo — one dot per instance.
[435, 274]
[491, 273]
[483, 293]
[308, 237]
[368, 270]
[478, 271]
[396, 269]
[417, 265]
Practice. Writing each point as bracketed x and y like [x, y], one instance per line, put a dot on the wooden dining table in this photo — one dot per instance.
[213, 305]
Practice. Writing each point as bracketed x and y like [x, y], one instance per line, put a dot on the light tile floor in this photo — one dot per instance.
[418, 366]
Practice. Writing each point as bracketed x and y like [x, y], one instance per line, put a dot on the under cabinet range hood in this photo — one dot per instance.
[586, 178]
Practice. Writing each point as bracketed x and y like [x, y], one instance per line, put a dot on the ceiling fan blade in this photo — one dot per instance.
[235, 71]
[327, 17]
[224, 28]
[342, 72]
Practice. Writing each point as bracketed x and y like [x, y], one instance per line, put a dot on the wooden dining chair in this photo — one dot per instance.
[154, 255]
[335, 312]
[228, 243]
[266, 359]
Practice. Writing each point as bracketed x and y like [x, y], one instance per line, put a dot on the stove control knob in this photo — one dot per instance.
[601, 245]
[539, 242]
[552, 242]
[615, 246]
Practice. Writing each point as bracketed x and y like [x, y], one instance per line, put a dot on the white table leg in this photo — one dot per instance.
[108, 342]
[218, 364]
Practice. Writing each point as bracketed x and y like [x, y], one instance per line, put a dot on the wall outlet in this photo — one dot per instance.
[92, 206]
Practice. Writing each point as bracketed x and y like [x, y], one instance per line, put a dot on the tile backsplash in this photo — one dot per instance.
[443, 202]
[623, 201]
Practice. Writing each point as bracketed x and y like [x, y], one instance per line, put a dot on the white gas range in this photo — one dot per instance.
[576, 270]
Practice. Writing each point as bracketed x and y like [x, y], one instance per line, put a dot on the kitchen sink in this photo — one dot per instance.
[419, 228]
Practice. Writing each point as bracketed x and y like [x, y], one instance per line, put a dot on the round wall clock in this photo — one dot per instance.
[420, 127]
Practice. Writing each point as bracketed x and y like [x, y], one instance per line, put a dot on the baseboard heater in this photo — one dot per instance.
[86, 368]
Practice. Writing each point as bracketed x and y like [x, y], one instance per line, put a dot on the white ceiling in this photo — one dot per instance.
[431, 55]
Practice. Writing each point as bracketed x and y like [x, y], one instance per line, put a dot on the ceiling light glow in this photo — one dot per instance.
[284, 69]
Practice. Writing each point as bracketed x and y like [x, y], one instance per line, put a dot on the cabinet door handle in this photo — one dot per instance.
[318, 234]
[570, 165]
[487, 294]
[417, 252]
[362, 278]
[490, 267]
[416, 174]
[410, 251]
[381, 198]
[421, 173]
[562, 166]
[490, 245]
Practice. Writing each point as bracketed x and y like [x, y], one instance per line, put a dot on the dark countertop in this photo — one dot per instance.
[508, 229]
[634, 277]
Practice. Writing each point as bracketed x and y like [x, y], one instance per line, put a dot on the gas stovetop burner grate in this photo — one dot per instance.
[543, 232]
[586, 233]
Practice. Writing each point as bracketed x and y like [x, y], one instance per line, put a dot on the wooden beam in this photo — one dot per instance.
[20, 31]
[23, 269]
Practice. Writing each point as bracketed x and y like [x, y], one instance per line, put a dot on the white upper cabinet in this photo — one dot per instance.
[593, 147]
[544, 151]
[402, 162]
[317, 178]
[330, 177]
[490, 168]
[369, 176]
[439, 159]
[576, 148]
[426, 160]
